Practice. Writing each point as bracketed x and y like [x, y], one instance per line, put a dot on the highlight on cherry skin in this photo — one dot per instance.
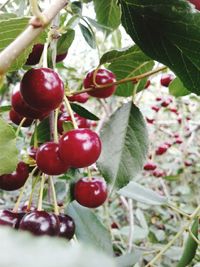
[90, 192]
[103, 76]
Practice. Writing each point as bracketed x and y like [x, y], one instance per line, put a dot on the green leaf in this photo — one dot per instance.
[126, 63]
[83, 112]
[88, 36]
[65, 41]
[43, 132]
[176, 88]
[76, 7]
[128, 260]
[67, 126]
[5, 108]
[9, 30]
[190, 246]
[9, 153]
[141, 194]
[169, 32]
[124, 146]
[97, 25]
[89, 229]
[108, 13]
[6, 16]
[48, 252]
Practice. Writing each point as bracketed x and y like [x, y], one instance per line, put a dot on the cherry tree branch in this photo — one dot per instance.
[17, 47]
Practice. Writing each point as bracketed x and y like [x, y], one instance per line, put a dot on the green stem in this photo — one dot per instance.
[20, 126]
[70, 111]
[55, 126]
[55, 203]
[32, 191]
[41, 193]
[35, 139]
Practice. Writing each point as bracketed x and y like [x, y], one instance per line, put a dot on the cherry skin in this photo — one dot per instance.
[81, 98]
[196, 3]
[166, 79]
[10, 218]
[103, 76]
[20, 106]
[48, 159]
[16, 118]
[64, 117]
[35, 55]
[161, 149]
[61, 57]
[42, 89]
[90, 192]
[80, 148]
[40, 223]
[16, 179]
[67, 226]
[150, 166]
[165, 103]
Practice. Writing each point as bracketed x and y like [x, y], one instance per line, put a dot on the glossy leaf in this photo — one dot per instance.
[88, 35]
[43, 132]
[176, 88]
[124, 146]
[83, 112]
[89, 228]
[141, 194]
[128, 63]
[169, 32]
[9, 153]
[65, 41]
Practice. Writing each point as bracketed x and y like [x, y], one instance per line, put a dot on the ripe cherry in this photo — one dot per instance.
[61, 57]
[155, 108]
[80, 148]
[20, 106]
[196, 3]
[64, 117]
[150, 121]
[10, 218]
[150, 166]
[166, 79]
[40, 223]
[48, 159]
[103, 76]
[16, 179]
[16, 118]
[158, 173]
[161, 149]
[42, 89]
[165, 103]
[67, 226]
[90, 192]
[158, 98]
[81, 98]
[35, 55]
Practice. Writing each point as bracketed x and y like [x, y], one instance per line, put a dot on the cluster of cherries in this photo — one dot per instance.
[40, 92]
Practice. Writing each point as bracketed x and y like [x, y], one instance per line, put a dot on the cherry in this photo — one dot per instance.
[64, 117]
[161, 149]
[158, 173]
[90, 192]
[16, 118]
[61, 57]
[81, 98]
[150, 121]
[178, 140]
[48, 159]
[67, 226]
[166, 79]
[10, 218]
[150, 166]
[147, 84]
[196, 3]
[165, 103]
[35, 55]
[158, 98]
[155, 108]
[103, 76]
[114, 225]
[80, 147]
[16, 179]
[42, 89]
[179, 119]
[40, 223]
[20, 106]
[188, 163]
[174, 110]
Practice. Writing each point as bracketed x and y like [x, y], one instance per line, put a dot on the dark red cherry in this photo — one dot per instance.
[42, 89]
[103, 76]
[64, 117]
[20, 106]
[48, 159]
[166, 79]
[10, 218]
[67, 226]
[196, 3]
[16, 118]
[16, 179]
[80, 148]
[81, 98]
[150, 166]
[165, 103]
[61, 57]
[35, 55]
[158, 173]
[150, 121]
[158, 98]
[90, 192]
[188, 163]
[40, 223]
[155, 108]
[161, 149]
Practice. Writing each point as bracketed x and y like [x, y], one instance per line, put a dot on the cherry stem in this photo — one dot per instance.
[35, 140]
[32, 191]
[20, 126]
[55, 126]
[89, 174]
[125, 80]
[41, 193]
[15, 209]
[55, 203]
[70, 111]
